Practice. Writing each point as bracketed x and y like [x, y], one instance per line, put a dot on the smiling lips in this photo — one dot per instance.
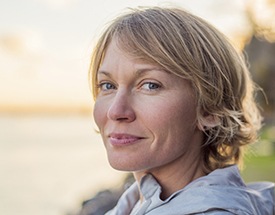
[123, 139]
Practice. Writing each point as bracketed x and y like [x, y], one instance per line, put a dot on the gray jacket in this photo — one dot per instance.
[221, 192]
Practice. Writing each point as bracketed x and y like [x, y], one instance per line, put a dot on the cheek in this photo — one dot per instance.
[99, 114]
[177, 113]
[170, 120]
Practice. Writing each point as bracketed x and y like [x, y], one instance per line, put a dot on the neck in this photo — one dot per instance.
[172, 178]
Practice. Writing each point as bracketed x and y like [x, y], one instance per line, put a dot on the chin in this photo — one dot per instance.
[123, 167]
[126, 166]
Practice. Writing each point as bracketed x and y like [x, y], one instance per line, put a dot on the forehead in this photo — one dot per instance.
[116, 55]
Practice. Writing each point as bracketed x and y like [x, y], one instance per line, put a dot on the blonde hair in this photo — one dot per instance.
[189, 47]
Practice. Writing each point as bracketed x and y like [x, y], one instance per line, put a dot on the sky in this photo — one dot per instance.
[45, 45]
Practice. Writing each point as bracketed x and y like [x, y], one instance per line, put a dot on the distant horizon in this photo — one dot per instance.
[26, 109]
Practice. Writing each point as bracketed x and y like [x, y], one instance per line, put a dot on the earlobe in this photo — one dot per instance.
[207, 122]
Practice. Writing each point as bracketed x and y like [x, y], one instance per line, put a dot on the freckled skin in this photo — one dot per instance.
[142, 100]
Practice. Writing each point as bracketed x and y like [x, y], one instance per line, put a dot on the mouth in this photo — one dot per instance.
[120, 139]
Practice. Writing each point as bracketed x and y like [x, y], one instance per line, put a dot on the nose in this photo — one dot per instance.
[121, 108]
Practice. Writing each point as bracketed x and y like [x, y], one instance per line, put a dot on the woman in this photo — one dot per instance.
[174, 104]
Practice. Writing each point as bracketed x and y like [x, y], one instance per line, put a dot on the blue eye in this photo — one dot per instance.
[151, 86]
[107, 86]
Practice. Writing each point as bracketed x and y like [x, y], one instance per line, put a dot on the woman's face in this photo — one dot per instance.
[146, 116]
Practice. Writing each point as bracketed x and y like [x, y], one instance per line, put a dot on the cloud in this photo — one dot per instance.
[12, 44]
[58, 4]
[22, 43]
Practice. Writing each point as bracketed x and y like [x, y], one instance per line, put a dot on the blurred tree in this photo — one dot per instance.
[261, 56]
[260, 49]
[260, 15]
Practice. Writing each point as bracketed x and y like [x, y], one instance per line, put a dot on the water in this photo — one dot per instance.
[49, 164]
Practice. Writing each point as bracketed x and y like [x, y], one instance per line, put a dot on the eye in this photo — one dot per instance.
[151, 86]
[106, 86]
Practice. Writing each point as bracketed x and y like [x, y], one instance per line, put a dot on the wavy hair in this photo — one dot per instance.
[191, 48]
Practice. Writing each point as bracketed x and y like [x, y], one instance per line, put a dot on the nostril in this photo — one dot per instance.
[122, 116]
[122, 119]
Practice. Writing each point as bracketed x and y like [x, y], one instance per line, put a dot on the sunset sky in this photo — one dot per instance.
[45, 45]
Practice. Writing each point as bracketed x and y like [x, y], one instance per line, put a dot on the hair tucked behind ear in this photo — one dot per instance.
[192, 49]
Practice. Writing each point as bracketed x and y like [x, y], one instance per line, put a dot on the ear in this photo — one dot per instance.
[207, 122]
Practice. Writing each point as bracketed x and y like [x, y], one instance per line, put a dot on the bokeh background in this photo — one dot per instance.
[51, 158]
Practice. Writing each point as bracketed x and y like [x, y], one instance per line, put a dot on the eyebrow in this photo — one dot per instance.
[138, 73]
[141, 72]
[103, 72]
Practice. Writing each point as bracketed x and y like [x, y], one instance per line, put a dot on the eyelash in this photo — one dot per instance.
[106, 86]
